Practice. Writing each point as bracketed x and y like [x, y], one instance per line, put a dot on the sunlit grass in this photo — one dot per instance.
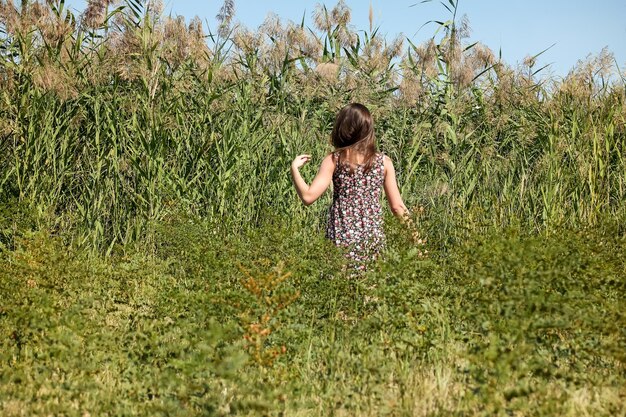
[504, 323]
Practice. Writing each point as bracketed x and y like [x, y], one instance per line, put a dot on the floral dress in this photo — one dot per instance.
[355, 216]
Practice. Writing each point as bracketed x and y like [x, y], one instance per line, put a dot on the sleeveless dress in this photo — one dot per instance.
[355, 219]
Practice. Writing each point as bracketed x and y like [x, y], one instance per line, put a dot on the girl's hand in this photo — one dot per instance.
[300, 160]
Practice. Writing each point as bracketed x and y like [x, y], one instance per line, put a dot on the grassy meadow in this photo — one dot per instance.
[155, 258]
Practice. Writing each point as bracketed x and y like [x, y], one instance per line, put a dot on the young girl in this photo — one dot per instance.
[358, 173]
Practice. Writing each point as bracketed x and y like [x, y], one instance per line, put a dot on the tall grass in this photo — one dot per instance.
[123, 116]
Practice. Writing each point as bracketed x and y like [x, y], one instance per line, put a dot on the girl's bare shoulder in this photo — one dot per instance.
[387, 164]
[330, 159]
[386, 159]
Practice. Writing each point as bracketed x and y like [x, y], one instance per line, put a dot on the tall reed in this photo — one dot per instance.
[115, 122]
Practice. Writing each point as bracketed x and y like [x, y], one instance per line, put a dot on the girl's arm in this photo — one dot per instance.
[392, 192]
[308, 194]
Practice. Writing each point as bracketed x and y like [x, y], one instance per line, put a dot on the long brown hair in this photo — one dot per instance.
[354, 130]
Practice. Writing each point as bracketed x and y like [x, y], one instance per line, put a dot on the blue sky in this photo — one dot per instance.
[516, 27]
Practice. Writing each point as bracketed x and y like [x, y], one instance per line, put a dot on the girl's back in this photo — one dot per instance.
[355, 216]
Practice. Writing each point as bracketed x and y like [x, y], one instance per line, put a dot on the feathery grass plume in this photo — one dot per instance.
[277, 53]
[273, 54]
[195, 27]
[117, 46]
[120, 22]
[95, 13]
[483, 55]
[225, 17]
[296, 35]
[464, 29]
[394, 49]
[378, 55]
[372, 47]
[590, 76]
[37, 11]
[50, 77]
[605, 62]
[371, 17]
[346, 37]
[451, 44]
[271, 26]
[321, 19]
[18, 21]
[506, 92]
[8, 15]
[6, 7]
[430, 52]
[135, 50]
[481, 61]
[451, 50]
[411, 87]
[311, 47]
[427, 58]
[124, 47]
[340, 14]
[530, 61]
[176, 41]
[328, 71]
[339, 17]
[198, 48]
[34, 16]
[182, 43]
[154, 9]
[302, 42]
[462, 73]
[56, 29]
[246, 41]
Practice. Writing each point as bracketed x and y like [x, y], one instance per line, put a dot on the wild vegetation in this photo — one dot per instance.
[156, 260]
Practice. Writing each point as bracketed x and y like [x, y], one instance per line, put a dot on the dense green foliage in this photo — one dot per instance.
[155, 260]
[503, 323]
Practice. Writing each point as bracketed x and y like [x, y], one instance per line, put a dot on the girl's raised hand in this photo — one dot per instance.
[300, 160]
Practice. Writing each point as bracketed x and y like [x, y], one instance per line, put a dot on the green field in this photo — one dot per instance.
[155, 258]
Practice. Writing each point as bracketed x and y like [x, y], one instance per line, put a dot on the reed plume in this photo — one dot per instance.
[95, 13]
[225, 17]
[321, 19]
